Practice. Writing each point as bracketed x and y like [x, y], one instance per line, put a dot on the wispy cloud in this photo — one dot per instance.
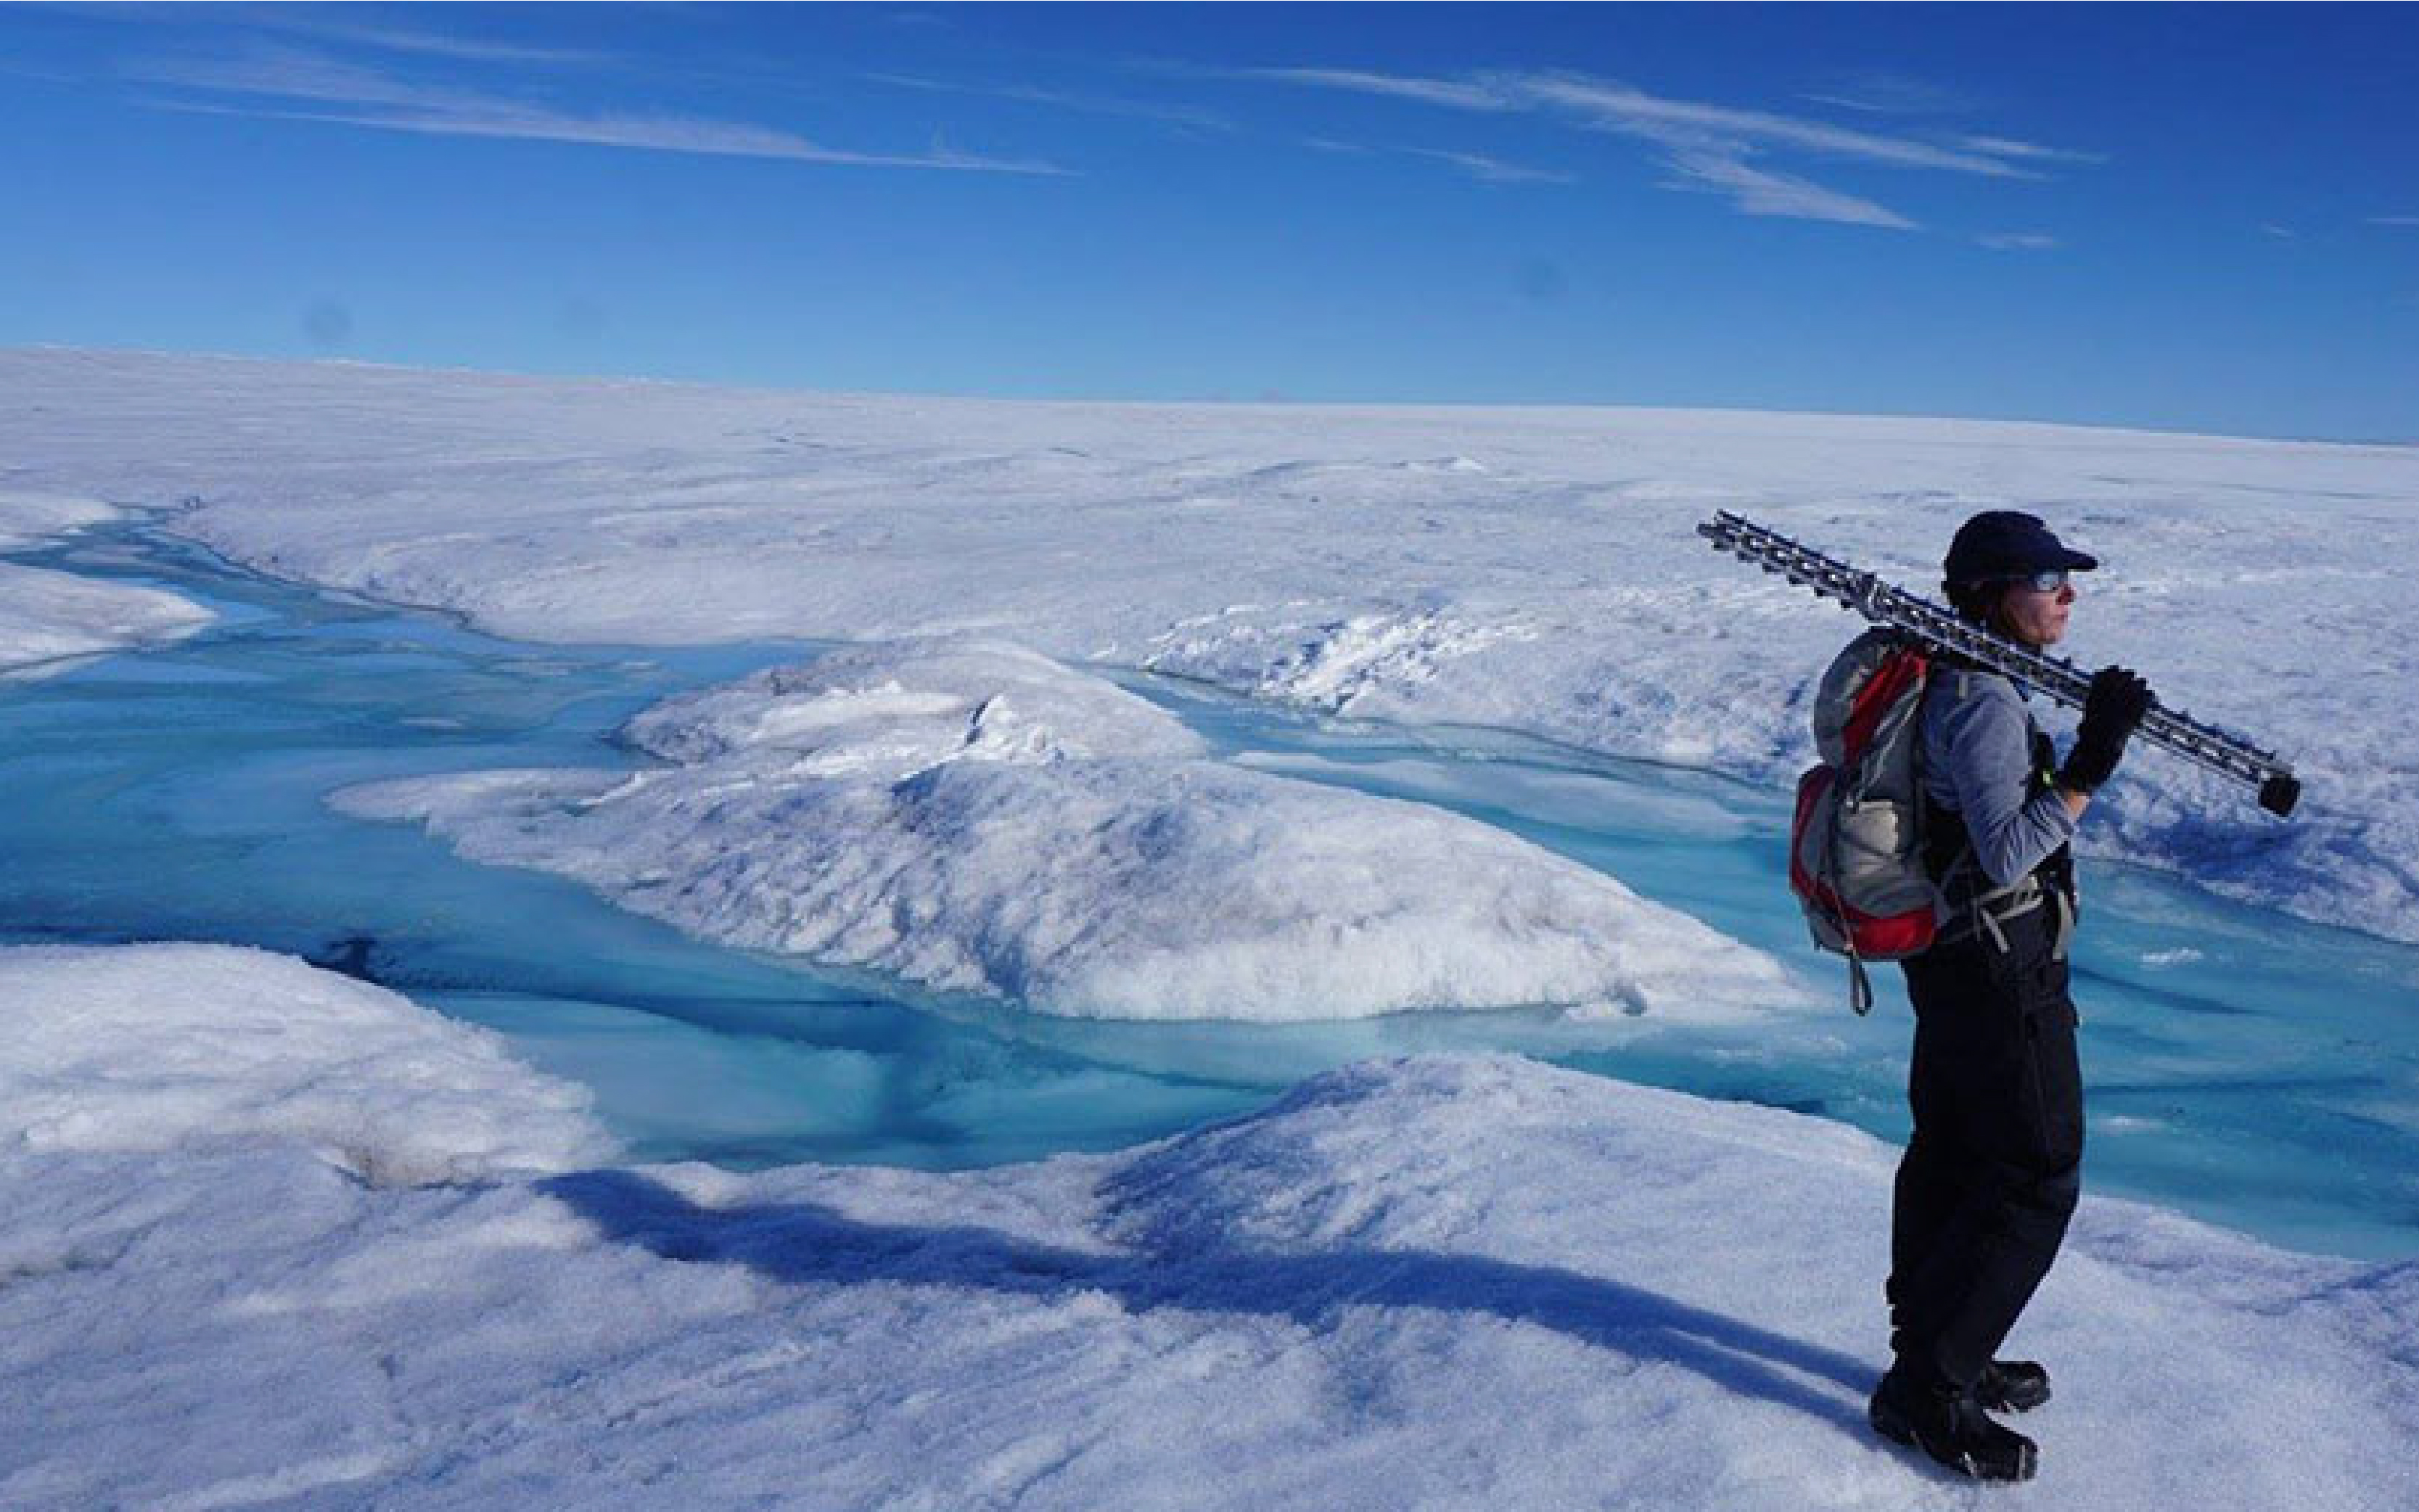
[276, 71]
[1426, 91]
[655, 134]
[2018, 242]
[1759, 191]
[1712, 147]
[1089, 104]
[1492, 169]
[1892, 94]
[1623, 108]
[313, 22]
[354, 96]
[2393, 220]
[2000, 146]
[320, 22]
[2282, 233]
[1476, 164]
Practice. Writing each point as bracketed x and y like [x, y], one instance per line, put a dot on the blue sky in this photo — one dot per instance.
[2172, 216]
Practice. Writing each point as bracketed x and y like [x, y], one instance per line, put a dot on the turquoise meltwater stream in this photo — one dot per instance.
[2244, 1067]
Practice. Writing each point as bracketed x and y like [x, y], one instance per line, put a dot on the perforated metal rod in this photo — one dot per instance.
[1888, 605]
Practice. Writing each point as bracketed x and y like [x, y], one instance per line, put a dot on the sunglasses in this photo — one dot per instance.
[2047, 580]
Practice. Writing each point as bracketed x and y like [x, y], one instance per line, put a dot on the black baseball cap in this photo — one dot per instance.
[2008, 542]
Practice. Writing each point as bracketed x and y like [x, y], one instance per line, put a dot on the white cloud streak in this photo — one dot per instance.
[1708, 148]
[1476, 164]
[645, 132]
[1892, 94]
[318, 22]
[1089, 104]
[1758, 192]
[366, 98]
[279, 72]
[1492, 169]
[2018, 242]
[1426, 91]
[301, 22]
[2030, 151]
[1620, 108]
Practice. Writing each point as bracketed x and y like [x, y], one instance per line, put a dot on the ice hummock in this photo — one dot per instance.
[977, 818]
[155, 1048]
[49, 621]
[1444, 1282]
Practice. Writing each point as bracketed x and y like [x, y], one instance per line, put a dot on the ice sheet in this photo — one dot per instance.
[1532, 569]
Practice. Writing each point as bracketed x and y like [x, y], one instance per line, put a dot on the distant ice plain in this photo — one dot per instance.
[1527, 569]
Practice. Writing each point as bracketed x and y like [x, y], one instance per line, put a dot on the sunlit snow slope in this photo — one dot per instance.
[361, 1259]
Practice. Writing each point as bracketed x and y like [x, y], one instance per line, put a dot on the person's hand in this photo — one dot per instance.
[2111, 712]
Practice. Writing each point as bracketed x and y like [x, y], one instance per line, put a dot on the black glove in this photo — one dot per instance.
[2113, 708]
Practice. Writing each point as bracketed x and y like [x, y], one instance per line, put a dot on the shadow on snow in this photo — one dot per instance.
[804, 1242]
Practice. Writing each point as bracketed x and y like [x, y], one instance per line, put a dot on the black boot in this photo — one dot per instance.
[1946, 1422]
[2012, 1386]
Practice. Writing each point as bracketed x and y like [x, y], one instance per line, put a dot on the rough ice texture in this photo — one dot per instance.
[29, 518]
[1534, 569]
[52, 620]
[975, 818]
[1481, 1284]
[142, 1049]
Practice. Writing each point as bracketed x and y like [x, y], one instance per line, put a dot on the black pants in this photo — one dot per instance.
[1993, 1167]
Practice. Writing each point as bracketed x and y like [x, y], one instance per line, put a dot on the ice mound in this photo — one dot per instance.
[977, 818]
[29, 517]
[51, 620]
[1294, 654]
[158, 1047]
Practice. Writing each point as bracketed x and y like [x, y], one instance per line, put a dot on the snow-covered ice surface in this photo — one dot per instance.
[1443, 1283]
[1529, 569]
[975, 818]
[277, 1237]
[49, 620]
[160, 1048]
[27, 517]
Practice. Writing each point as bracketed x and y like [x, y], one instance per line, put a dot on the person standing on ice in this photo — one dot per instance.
[1992, 1170]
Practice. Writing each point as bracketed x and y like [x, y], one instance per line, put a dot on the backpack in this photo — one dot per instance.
[1855, 842]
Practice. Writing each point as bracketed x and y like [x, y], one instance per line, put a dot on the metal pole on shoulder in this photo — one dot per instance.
[1886, 604]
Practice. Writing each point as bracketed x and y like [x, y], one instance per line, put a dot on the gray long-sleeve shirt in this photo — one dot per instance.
[1978, 740]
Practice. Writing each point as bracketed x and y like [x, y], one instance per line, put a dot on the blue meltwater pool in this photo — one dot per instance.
[2244, 1067]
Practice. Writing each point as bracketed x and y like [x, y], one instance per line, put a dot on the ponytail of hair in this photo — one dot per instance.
[1975, 602]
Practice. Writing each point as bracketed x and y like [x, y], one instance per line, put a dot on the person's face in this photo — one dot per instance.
[2037, 616]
